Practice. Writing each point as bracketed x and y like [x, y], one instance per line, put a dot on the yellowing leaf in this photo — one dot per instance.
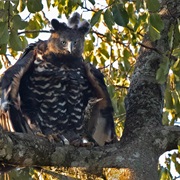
[33, 26]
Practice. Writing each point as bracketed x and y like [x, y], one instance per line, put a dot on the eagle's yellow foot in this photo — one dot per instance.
[51, 137]
[41, 134]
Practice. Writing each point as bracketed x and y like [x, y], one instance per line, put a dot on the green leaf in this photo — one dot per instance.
[108, 19]
[34, 25]
[156, 21]
[161, 74]
[18, 23]
[14, 41]
[176, 102]
[4, 35]
[95, 17]
[24, 41]
[138, 4]
[177, 166]
[155, 27]
[176, 52]
[34, 6]
[153, 33]
[92, 2]
[165, 119]
[120, 15]
[3, 48]
[153, 5]
[168, 100]
[176, 39]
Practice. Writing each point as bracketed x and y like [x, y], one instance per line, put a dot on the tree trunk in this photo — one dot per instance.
[144, 138]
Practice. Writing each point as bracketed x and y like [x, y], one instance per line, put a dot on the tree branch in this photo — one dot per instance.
[169, 135]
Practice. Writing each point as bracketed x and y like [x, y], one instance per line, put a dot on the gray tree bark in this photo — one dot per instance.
[144, 138]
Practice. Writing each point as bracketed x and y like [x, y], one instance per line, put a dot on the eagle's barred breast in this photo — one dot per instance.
[59, 94]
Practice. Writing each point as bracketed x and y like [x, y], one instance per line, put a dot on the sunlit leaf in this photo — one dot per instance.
[165, 174]
[131, 13]
[21, 6]
[88, 46]
[141, 20]
[34, 6]
[176, 52]
[176, 101]
[120, 15]
[105, 53]
[96, 17]
[33, 25]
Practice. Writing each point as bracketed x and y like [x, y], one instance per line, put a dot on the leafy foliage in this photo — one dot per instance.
[117, 30]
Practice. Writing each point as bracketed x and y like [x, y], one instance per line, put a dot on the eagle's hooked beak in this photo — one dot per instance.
[70, 46]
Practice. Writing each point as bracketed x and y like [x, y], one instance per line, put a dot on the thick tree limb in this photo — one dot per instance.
[26, 150]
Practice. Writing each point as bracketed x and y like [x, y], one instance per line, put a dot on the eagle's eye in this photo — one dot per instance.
[75, 42]
[63, 42]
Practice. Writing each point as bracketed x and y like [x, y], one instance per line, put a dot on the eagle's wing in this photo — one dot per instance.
[101, 123]
[11, 118]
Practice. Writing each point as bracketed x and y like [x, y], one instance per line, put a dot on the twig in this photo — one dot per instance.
[34, 31]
